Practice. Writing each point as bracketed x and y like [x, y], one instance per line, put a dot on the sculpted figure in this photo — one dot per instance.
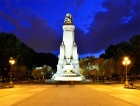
[68, 19]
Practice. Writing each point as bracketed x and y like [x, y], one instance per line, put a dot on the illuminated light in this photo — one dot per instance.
[11, 61]
[126, 61]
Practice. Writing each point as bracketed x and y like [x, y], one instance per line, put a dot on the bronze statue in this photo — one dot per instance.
[68, 19]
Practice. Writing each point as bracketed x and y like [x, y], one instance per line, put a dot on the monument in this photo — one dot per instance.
[68, 63]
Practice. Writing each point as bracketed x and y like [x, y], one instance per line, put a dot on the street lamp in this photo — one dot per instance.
[126, 62]
[12, 62]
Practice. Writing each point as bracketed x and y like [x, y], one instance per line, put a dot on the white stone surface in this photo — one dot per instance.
[68, 57]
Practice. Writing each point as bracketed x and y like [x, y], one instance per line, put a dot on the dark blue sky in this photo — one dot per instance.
[99, 23]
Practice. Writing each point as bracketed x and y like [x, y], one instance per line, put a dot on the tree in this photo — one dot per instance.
[37, 73]
[119, 68]
[83, 63]
[116, 51]
[110, 52]
[86, 73]
[125, 48]
[135, 54]
[109, 65]
[17, 71]
[21, 71]
[100, 63]
[47, 71]
[28, 74]
[47, 58]
[11, 46]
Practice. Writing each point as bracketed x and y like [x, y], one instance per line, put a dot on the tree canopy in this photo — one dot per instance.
[129, 48]
[11, 46]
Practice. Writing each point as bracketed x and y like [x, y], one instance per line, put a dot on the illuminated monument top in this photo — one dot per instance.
[68, 19]
[68, 63]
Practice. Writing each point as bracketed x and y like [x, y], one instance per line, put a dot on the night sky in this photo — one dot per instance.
[99, 23]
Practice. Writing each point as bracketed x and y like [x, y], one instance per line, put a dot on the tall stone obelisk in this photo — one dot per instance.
[68, 62]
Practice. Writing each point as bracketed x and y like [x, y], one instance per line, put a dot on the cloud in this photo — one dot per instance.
[39, 36]
[39, 24]
[109, 28]
[31, 29]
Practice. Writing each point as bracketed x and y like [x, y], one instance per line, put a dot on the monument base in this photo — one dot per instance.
[68, 77]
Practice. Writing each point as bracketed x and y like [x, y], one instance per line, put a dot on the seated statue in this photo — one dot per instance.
[68, 61]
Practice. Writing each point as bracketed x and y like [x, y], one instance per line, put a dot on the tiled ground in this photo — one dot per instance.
[65, 95]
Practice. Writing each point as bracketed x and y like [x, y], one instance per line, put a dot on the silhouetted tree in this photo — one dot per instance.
[48, 59]
[135, 54]
[130, 49]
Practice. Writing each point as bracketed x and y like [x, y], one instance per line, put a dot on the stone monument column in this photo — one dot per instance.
[68, 62]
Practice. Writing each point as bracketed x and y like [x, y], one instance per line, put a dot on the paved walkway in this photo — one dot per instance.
[65, 95]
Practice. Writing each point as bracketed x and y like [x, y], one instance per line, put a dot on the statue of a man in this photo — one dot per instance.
[68, 19]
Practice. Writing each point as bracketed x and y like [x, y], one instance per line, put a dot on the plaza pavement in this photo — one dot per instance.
[66, 95]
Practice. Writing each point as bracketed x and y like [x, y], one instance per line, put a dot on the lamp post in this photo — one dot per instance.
[12, 62]
[126, 62]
